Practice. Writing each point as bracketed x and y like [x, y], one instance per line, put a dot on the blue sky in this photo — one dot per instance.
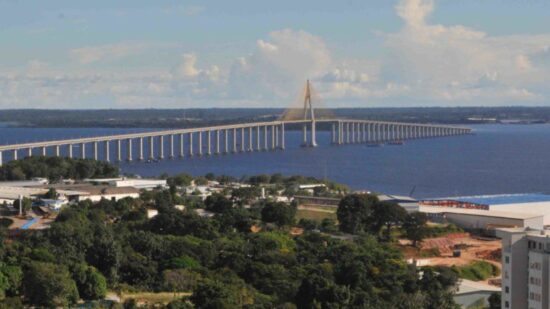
[165, 54]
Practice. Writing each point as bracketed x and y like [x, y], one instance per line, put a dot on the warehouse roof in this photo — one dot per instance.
[479, 212]
[500, 199]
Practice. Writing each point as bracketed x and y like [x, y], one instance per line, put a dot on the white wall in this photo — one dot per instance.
[541, 208]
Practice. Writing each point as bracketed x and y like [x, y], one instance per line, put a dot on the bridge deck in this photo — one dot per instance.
[203, 129]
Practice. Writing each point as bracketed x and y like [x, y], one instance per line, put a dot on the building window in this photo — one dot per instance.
[507, 259]
[506, 304]
[507, 289]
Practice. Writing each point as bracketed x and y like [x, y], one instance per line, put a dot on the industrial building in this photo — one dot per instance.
[525, 268]
[475, 219]
[519, 204]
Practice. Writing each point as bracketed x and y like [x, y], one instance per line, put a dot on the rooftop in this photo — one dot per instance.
[501, 199]
[479, 212]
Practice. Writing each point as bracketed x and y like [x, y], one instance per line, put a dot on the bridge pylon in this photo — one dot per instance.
[309, 113]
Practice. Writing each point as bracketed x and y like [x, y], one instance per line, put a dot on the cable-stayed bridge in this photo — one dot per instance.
[231, 138]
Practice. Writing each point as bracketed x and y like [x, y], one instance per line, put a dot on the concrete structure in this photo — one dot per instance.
[533, 204]
[137, 183]
[525, 268]
[482, 219]
[344, 131]
[471, 293]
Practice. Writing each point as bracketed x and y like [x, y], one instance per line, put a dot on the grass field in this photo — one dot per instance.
[314, 215]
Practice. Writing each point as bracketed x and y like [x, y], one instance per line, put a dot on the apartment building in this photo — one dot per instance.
[525, 268]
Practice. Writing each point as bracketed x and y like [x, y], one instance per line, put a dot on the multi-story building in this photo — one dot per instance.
[525, 268]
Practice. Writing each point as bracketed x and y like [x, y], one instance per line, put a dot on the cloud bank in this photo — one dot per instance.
[423, 64]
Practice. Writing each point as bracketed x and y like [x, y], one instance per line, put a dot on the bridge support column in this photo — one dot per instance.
[250, 146]
[272, 137]
[333, 134]
[119, 150]
[29, 152]
[242, 140]
[82, 150]
[353, 132]
[171, 146]
[208, 141]
[141, 149]
[190, 144]
[234, 140]
[15, 154]
[218, 142]
[199, 153]
[313, 134]
[129, 154]
[182, 148]
[151, 148]
[69, 150]
[44, 151]
[161, 147]
[94, 149]
[276, 136]
[107, 159]
[304, 137]
[265, 139]
[226, 140]
[347, 133]
[0, 158]
[282, 135]
[258, 141]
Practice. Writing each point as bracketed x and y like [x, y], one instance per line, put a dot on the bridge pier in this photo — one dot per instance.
[171, 146]
[250, 144]
[242, 139]
[265, 138]
[151, 148]
[276, 136]
[182, 148]
[199, 152]
[119, 150]
[94, 149]
[282, 135]
[234, 140]
[208, 141]
[226, 140]
[107, 155]
[272, 137]
[161, 147]
[129, 154]
[258, 142]
[141, 148]
[0, 158]
[190, 144]
[82, 150]
[43, 151]
[217, 142]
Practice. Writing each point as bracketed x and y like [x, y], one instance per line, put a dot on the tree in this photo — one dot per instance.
[494, 301]
[49, 285]
[278, 213]
[27, 204]
[414, 226]
[212, 295]
[218, 203]
[354, 211]
[91, 283]
[386, 214]
[180, 280]
[51, 194]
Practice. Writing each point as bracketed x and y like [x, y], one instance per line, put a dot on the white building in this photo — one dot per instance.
[525, 268]
[534, 204]
[482, 219]
[138, 183]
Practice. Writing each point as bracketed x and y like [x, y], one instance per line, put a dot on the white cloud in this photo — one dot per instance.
[454, 62]
[279, 65]
[91, 54]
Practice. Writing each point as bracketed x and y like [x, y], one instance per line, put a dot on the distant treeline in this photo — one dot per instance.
[56, 168]
[182, 118]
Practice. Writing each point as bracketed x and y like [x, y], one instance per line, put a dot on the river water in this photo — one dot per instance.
[496, 159]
